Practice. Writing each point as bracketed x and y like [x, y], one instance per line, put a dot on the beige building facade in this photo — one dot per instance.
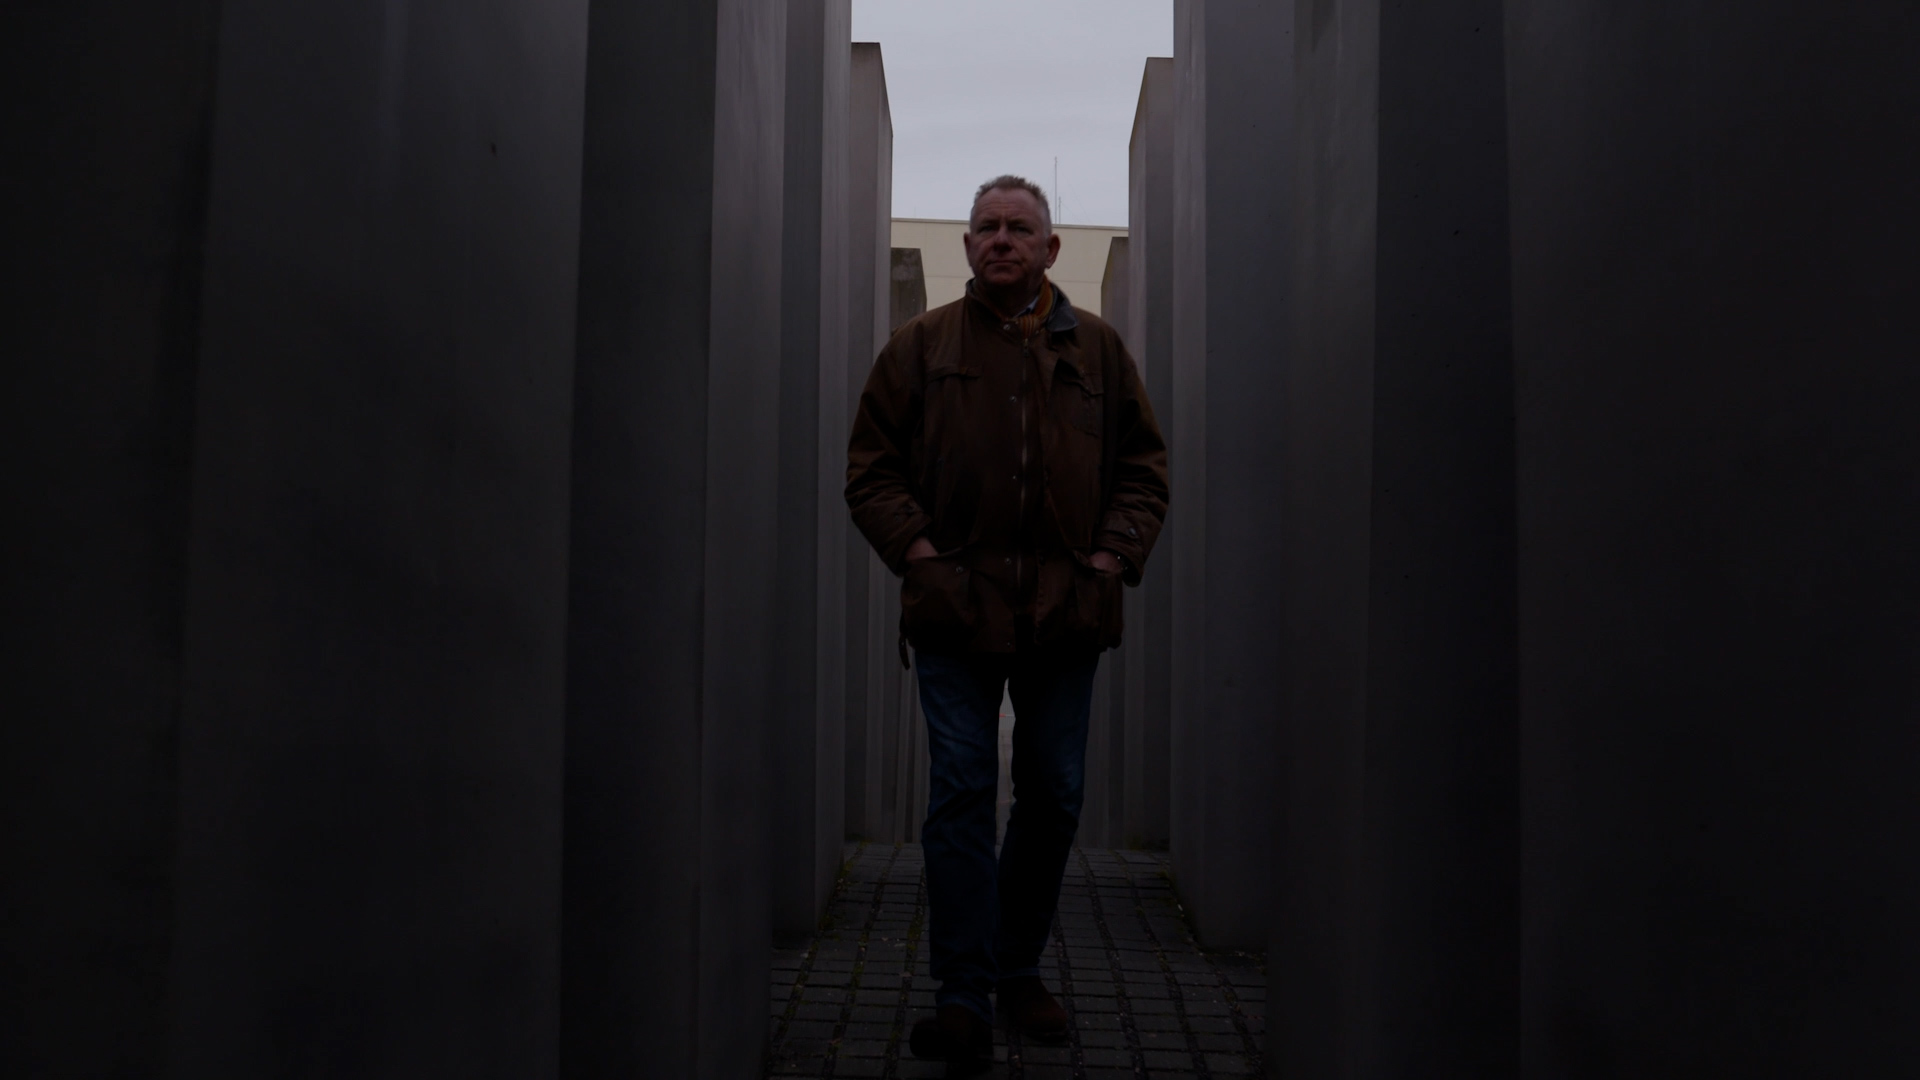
[1081, 266]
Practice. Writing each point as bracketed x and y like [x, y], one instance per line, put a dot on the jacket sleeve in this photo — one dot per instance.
[879, 489]
[1137, 507]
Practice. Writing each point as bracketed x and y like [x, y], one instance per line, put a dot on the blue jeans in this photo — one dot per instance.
[989, 921]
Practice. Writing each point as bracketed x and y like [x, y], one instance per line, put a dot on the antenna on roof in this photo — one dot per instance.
[1058, 202]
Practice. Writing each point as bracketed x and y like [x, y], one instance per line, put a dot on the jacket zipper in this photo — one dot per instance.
[1020, 515]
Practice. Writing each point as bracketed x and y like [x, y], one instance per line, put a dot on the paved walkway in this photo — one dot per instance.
[1145, 1001]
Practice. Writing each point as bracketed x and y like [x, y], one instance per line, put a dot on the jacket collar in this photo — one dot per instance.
[1046, 347]
[1062, 320]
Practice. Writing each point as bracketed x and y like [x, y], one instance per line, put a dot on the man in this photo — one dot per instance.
[1005, 461]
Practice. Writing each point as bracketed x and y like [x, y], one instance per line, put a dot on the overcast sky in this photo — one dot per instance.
[984, 87]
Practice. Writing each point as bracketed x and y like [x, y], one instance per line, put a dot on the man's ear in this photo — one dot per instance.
[1053, 249]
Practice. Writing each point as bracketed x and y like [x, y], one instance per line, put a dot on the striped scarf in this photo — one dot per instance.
[1037, 315]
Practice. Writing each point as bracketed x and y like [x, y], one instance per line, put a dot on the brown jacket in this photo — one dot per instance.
[1017, 460]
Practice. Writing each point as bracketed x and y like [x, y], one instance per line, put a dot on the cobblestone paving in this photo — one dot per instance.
[1145, 1001]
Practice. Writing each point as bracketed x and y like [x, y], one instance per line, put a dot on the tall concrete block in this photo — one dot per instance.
[1102, 814]
[908, 765]
[873, 594]
[1103, 780]
[282, 773]
[1714, 277]
[675, 537]
[1395, 945]
[1114, 291]
[1147, 327]
[898, 753]
[1230, 306]
[908, 298]
[809, 758]
[904, 799]
[106, 202]
[895, 760]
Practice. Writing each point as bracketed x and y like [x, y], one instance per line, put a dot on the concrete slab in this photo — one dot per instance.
[872, 594]
[1102, 812]
[877, 707]
[908, 297]
[1230, 321]
[106, 221]
[1396, 890]
[1148, 331]
[371, 728]
[1714, 343]
[809, 757]
[1103, 781]
[284, 759]
[1114, 291]
[675, 536]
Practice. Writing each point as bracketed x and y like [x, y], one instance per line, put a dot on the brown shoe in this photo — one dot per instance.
[954, 1033]
[1029, 1009]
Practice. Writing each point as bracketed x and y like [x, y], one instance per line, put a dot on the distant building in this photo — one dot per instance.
[1082, 265]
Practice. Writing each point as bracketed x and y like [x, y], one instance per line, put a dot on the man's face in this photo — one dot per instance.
[1008, 244]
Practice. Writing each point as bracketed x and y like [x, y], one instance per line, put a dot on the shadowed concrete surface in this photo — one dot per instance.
[1103, 812]
[102, 347]
[1148, 332]
[1719, 514]
[1230, 318]
[1144, 999]
[882, 769]
[909, 287]
[1396, 888]
[671, 623]
[291, 375]
[809, 758]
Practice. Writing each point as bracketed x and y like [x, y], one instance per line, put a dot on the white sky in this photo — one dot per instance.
[984, 87]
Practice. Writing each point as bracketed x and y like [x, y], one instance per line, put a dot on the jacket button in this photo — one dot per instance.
[1009, 560]
[959, 569]
[1133, 532]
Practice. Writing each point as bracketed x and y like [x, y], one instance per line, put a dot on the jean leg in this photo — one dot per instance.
[961, 698]
[1051, 702]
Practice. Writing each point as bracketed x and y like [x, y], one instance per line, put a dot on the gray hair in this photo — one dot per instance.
[1010, 182]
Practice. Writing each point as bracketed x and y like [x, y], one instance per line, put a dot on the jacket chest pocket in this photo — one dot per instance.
[1086, 407]
[1075, 456]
